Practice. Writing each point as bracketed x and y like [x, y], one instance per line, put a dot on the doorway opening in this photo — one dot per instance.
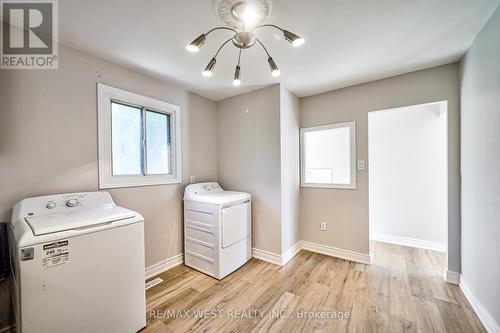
[408, 176]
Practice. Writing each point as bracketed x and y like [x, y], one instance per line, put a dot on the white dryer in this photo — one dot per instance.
[78, 265]
[217, 229]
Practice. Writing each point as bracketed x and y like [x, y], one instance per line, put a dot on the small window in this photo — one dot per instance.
[328, 156]
[139, 140]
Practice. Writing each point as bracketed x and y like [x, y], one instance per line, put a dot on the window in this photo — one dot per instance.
[139, 140]
[328, 156]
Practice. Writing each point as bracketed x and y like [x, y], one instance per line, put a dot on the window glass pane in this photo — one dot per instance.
[157, 143]
[327, 156]
[126, 136]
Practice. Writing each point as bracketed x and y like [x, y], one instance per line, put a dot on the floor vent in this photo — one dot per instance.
[153, 283]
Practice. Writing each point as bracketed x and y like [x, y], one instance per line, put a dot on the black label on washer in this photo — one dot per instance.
[55, 244]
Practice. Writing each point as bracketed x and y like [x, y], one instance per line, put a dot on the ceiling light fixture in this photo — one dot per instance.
[275, 71]
[209, 69]
[237, 76]
[293, 38]
[195, 45]
[244, 17]
[237, 72]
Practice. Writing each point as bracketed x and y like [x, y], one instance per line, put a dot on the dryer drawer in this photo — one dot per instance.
[235, 223]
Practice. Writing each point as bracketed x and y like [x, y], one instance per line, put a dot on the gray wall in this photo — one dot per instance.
[346, 211]
[249, 159]
[259, 153]
[290, 177]
[480, 137]
[48, 141]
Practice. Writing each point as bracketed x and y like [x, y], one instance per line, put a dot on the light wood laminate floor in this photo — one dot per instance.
[401, 291]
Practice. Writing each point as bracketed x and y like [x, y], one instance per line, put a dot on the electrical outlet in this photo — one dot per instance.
[361, 164]
[322, 226]
[192, 179]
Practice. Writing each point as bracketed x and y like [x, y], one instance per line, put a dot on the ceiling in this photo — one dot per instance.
[347, 42]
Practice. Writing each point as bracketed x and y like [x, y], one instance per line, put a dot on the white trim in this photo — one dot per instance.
[331, 251]
[352, 131]
[290, 253]
[105, 94]
[407, 241]
[271, 257]
[165, 265]
[452, 277]
[363, 258]
[486, 318]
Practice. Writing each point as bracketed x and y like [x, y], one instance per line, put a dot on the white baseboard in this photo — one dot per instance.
[164, 265]
[336, 252]
[271, 257]
[407, 241]
[488, 321]
[451, 277]
[281, 260]
[275, 258]
[291, 252]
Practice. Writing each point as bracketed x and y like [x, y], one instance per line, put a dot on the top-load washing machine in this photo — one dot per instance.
[77, 264]
[217, 229]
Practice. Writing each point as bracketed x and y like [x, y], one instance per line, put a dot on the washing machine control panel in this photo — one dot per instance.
[62, 202]
[66, 200]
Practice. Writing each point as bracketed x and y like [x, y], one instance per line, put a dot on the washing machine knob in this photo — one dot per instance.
[72, 203]
[51, 205]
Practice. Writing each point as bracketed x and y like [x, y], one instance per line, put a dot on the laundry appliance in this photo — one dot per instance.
[217, 229]
[77, 264]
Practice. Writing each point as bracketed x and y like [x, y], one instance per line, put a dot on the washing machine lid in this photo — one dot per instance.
[77, 219]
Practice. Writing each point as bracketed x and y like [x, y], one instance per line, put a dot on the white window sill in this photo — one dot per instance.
[330, 186]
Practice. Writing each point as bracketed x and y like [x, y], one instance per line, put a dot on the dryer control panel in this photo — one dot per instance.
[202, 188]
[212, 193]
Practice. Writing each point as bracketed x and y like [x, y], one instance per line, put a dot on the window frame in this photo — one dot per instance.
[105, 96]
[352, 136]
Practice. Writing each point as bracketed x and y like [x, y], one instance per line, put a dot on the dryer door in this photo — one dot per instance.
[235, 224]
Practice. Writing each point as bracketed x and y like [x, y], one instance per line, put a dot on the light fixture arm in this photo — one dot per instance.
[272, 65]
[265, 49]
[294, 39]
[237, 71]
[239, 57]
[220, 47]
[268, 25]
[221, 28]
